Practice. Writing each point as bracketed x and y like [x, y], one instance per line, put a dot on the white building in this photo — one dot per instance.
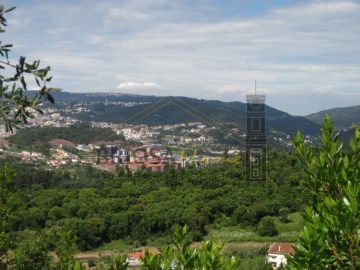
[276, 254]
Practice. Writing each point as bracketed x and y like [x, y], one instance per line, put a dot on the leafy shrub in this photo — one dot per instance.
[266, 227]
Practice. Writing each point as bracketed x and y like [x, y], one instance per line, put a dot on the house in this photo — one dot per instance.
[276, 254]
[156, 167]
[108, 165]
[134, 166]
[134, 258]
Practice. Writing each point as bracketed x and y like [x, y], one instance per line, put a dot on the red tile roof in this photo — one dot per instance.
[136, 254]
[281, 248]
[140, 253]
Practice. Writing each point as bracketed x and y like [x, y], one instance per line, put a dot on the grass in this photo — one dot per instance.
[253, 263]
[288, 232]
[243, 243]
[296, 223]
[115, 245]
[236, 234]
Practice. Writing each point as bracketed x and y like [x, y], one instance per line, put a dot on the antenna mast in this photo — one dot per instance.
[255, 87]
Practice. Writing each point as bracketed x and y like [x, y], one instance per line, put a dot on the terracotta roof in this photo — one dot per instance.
[140, 253]
[155, 165]
[136, 255]
[281, 248]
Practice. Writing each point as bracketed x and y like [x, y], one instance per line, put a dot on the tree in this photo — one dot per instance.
[65, 249]
[6, 188]
[266, 227]
[330, 238]
[283, 213]
[30, 255]
[16, 107]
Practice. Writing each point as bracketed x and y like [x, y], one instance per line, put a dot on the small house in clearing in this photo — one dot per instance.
[134, 258]
[276, 254]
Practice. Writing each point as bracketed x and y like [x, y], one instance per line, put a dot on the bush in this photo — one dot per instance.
[30, 255]
[283, 213]
[266, 227]
[91, 263]
[330, 238]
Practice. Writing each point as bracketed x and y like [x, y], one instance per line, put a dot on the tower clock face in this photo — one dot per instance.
[256, 103]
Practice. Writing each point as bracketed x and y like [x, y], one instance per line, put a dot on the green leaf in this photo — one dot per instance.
[21, 62]
[346, 162]
[9, 9]
[22, 80]
[50, 98]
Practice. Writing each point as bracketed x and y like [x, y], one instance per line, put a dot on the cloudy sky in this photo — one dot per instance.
[305, 55]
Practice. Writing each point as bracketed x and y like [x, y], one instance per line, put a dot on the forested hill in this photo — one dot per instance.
[102, 108]
[78, 134]
[342, 117]
[98, 206]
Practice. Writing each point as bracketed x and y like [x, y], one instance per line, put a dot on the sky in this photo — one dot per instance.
[304, 55]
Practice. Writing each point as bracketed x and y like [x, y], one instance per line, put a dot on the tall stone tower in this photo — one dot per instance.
[256, 139]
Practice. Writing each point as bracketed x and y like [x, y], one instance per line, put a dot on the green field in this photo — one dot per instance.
[116, 245]
[248, 247]
[288, 232]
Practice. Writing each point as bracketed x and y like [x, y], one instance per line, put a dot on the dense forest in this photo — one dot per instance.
[78, 134]
[98, 206]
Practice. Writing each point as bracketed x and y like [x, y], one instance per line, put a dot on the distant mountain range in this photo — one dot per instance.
[172, 111]
[342, 117]
[153, 110]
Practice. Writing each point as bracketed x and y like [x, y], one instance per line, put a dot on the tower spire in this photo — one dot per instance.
[255, 87]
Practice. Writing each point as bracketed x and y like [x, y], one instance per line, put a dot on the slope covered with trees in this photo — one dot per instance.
[342, 117]
[224, 112]
[98, 206]
[78, 134]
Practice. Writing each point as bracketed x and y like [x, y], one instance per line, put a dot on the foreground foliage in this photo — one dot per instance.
[331, 236]
[15, 106]
[182, 256]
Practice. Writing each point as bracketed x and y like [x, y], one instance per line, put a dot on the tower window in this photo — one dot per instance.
[256, 124]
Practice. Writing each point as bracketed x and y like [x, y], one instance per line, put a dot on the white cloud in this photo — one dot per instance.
[308, 49]
[136, 85]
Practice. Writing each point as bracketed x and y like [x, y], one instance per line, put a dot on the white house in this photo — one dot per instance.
[276, 254]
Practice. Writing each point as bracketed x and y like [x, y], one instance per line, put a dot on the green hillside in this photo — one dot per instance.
[342, 117]
[170, 113]
[39, 137]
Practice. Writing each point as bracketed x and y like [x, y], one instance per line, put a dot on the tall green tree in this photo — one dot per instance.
[331, 236]
[6, 188]
[30, 255]
[65, 250]
[15, 106]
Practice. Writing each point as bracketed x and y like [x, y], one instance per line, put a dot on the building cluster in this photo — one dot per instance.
[177, 134]
[151, 157]
[61, 157]
[29, 157]
[50, 117]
